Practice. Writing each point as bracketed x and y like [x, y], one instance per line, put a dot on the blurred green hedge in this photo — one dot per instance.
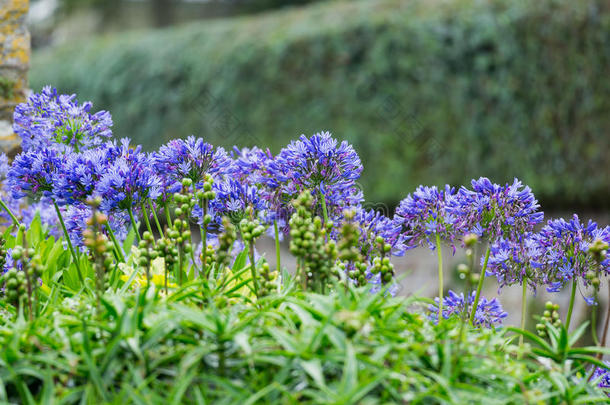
[427, 91]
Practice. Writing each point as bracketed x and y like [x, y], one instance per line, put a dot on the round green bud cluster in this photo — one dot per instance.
[206, 192]
[180, 231]
[168, 251]
[384, 267]
[3, 252]
[19, 284]
[250, 229]
[148, 252]
[15, 285]
[350, 236]
[268, 277]
[550, 315]
[358, 273]
[209, 253]
[308, 242]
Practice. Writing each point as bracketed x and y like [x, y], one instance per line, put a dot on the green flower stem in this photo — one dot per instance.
[179, 265]
[253, 267]
[571, 307]
[475, 304]
[523, 309]
[594, 322]
[605, 334]
[440, 277]
[147, 221]
[324, 210]
[13, 217]
[196, 270]
[154, 212]
[117, 247]
[168, 217]
[204, 236]
[277, 245]
[74, 256]
[133, 224]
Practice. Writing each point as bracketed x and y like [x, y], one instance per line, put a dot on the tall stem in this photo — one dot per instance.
[72, 251]
[594, 321]
[277, 245]
[168, 217]
[133, 224]
[440, 277]
[475, 304]
[523, 308]
[253, 268]
[148, 227]
[180, 265]
[158, 224]
[571, 307]
[117, 247]
[204, 236]
[324, 210]
[605, 334]
[6, 208]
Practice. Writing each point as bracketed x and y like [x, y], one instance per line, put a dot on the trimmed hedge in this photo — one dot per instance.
[428, 92]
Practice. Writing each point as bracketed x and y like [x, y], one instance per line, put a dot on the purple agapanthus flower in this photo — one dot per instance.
[322, 166]
[564, 252]
[602, 376]
[489, 312]
[76, 179]
[425, 214]
[32, 173]
[372, 224]
[232, 200]
[515, 260]
[191, 158]
[492, 210]
[250, 165]
[75, 218]
[129, 181]
[52, 120]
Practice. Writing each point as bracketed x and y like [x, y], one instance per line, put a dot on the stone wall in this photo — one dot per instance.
[14, 64]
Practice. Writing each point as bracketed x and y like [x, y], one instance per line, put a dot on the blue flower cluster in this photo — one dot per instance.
[69, 157]
[489, 313]
[602, 376]
[49, 119]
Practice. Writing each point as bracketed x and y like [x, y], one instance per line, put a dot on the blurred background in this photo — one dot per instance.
[427, 91]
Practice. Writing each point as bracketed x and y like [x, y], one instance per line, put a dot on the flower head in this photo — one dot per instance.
[564, 252]
[233, 199]
[489, 312]
[373, 224]
[515, 260]
[602, 376]
[75, 180]
[322, 166]
[128, 181]
[191, 158]
[496, 210]
[32, 173]
[425, 214]
[51, 120]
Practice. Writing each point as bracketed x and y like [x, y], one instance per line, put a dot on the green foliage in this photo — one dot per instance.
[212, 339]
[346, 347]
[428, 93]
